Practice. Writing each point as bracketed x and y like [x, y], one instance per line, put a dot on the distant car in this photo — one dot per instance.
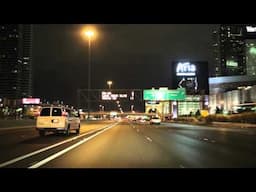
[57, 119]
[155, 120]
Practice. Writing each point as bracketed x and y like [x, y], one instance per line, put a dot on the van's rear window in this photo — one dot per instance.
[56, 112]
[45, 112]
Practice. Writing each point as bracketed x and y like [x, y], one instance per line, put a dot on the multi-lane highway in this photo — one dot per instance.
[125, 144]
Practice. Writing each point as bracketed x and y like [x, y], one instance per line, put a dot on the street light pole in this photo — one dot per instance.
[89, 77]
[89, 34]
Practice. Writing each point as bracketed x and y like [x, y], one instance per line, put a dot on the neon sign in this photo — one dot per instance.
[185, 69]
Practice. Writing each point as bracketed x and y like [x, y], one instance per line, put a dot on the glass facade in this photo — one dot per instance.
[185, 108]
[251, 56]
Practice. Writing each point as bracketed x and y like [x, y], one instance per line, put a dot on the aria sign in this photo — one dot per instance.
[185, 69]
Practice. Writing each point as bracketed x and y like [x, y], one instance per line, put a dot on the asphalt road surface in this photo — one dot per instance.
[125, 144]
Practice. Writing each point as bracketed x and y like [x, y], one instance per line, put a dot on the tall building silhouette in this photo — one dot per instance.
[15, 61]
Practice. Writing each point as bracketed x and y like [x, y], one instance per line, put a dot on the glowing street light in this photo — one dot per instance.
[109, 84]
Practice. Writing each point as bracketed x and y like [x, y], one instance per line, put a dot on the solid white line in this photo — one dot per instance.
[205, 139]
[40, 163]
[148, 139]
[46, 148]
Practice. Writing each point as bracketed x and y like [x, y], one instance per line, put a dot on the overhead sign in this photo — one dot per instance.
[185, 69]
[111, 96]
[164, 95]
[30, 101]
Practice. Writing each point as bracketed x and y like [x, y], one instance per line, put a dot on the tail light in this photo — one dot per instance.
[65, 114]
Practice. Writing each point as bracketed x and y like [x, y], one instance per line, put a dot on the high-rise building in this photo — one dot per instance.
[15, 61]
[229, 50]
[234, 49]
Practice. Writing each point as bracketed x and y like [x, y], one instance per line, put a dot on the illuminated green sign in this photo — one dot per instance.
[231, 63]
[164, 95]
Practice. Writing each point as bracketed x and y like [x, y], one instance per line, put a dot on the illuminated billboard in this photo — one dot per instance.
[108, 95]
[27, 101]
[190, 75]
[250, 29]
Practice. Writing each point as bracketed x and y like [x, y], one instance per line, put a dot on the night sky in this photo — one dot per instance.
[131, 55]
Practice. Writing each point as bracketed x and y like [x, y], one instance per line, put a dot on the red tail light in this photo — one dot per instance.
[65, 114]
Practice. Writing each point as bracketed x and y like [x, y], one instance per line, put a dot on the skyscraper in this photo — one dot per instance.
[15, 61]
[234, 49]
[229, 51]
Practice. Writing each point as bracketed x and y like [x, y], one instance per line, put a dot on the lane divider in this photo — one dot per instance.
[50, 158]
[47, 148]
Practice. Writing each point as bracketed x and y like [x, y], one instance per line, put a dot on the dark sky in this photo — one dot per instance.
[131, 55]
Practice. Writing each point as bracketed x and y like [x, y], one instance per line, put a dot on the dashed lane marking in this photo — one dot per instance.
[148, 138]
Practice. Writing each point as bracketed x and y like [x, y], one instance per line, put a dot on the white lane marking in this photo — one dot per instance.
[148, 138]
[205, 139]
[46, 148]
[40, 163]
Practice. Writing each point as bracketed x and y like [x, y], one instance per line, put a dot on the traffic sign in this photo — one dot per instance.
[164, 95]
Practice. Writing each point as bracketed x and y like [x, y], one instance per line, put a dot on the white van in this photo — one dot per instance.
[57, 119]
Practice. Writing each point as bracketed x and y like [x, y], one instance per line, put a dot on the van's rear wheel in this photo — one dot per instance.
[42, 133]
[67, 131]
[78, 130]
